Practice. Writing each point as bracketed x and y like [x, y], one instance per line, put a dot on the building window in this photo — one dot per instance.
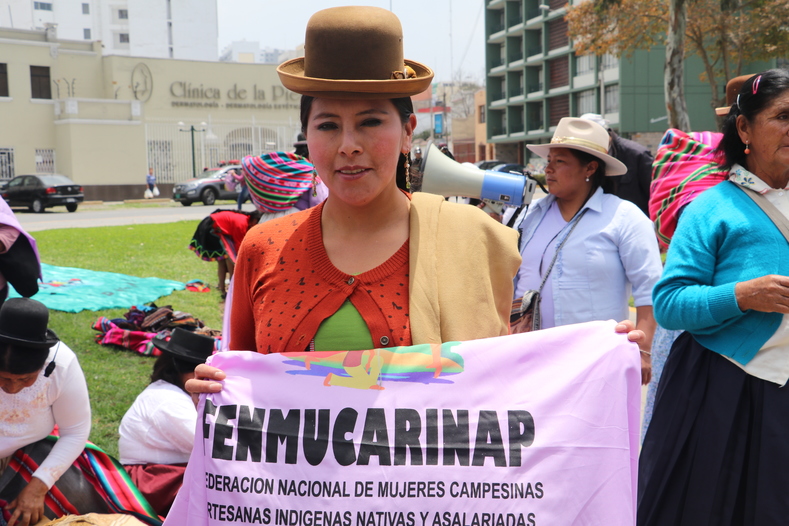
[6, 163]
[42, 6]
[85, 9]
[3, 80]
[482, 116]
[610, 62]
[612, 99]
[123, 14]
[45, 161]
[86, 33]
[585, 102]
[123, 38]
[558, 108]
[584, 64]
[40, 87]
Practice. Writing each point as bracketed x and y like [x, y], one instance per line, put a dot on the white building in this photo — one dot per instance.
[181, 29]
[241, 51]
[250, 52]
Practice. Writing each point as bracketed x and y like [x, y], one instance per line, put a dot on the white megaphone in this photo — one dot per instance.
[443, 176]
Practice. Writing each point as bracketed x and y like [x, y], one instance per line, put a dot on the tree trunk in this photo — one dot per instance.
[674, 70]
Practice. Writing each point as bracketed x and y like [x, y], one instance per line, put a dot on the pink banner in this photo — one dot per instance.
[523, 430]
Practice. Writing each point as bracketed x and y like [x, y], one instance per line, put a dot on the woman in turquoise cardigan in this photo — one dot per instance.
[716, 451]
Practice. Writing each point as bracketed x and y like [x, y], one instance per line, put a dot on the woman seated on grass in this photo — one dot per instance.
[157, 432]
[42, 386]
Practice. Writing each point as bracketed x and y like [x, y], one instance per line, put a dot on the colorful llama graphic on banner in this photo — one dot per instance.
[369, 369]
[523, 430]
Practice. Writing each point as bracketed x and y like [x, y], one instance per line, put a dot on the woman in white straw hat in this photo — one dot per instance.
[372, 266]
[583, 249]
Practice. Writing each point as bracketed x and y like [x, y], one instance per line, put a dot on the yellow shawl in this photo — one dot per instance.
[462, 264]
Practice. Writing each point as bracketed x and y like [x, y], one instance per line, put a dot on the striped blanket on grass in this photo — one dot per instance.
[685, 166]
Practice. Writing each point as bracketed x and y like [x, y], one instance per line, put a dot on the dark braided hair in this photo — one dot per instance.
[21, 360]
[599, 178]
[771, 84]
[170, 368]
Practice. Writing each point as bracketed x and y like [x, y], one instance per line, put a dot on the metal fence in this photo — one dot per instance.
[176, 152]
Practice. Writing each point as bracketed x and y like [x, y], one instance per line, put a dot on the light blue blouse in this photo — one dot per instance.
[612, 253]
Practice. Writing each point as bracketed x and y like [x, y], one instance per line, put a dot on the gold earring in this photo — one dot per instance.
[407, 166]
[314, 183]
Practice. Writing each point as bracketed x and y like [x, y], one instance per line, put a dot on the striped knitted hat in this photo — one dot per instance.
[276, 180]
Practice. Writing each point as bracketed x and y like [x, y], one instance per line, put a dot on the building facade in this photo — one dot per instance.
[178, 29]
[250, 52]
[103, 120]
[534, 79]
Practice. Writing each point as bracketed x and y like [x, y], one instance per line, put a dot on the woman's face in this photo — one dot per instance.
[768, 138]
[566, 175]
[355, 146]
[13, 383]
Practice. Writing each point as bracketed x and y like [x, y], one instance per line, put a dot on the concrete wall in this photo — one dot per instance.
[480, 129]
[641, 100]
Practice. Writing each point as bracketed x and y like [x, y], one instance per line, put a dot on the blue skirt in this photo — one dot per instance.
[717, 450]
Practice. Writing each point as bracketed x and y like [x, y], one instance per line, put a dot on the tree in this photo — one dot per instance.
[724, 34]
[674, 68]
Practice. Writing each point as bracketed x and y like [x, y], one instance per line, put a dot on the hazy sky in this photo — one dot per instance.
[430, 37]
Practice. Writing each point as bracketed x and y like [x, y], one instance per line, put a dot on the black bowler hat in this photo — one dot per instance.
[23, 323]
[301, 140]
[187, 346]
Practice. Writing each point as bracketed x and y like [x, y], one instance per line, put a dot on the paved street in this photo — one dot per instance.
[106, 215]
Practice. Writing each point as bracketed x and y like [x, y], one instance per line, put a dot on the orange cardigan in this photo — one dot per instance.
[283, 272]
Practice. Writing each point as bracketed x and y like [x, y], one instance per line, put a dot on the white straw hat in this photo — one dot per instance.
[583, 135]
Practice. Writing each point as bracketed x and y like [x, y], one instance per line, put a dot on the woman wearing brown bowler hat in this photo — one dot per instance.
[373, 266]
[41, 385]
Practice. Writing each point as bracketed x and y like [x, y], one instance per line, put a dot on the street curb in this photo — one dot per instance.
[155, 200]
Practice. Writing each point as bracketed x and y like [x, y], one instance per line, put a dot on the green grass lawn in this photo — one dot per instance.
[115, 376]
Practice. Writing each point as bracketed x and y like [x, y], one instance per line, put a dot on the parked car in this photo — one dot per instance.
[509, 168]
[42, 191]
[486, 165]
[206, 187]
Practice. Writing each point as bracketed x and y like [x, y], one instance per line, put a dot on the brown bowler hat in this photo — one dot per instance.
[354, 52]
[732, 90]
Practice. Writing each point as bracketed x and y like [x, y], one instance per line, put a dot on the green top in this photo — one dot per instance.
[345, 330]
